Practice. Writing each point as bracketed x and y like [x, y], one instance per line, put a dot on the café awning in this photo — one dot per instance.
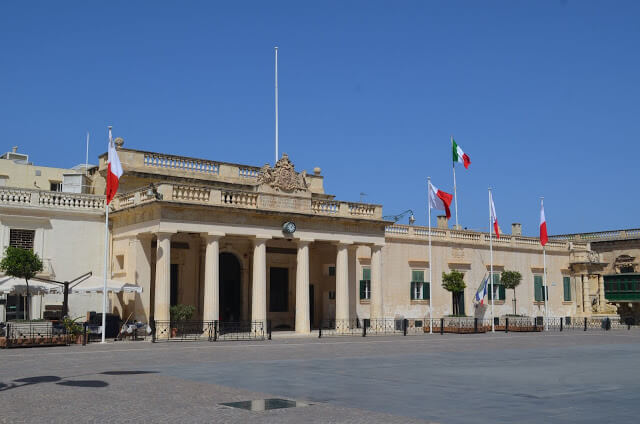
[95, 284]
[12, 285]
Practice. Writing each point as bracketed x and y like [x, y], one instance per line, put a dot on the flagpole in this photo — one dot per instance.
[493, 328]
[544, 279]
[106, 255]
[455, 192]
[86, 158]
[276, 49]
[430, 263]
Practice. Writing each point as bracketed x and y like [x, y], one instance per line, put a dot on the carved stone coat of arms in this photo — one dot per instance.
[283, 176]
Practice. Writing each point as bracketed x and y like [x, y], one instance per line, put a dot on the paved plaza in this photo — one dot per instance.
[591, 377]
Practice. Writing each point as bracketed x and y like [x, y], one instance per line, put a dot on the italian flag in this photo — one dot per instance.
[459, 155]
[543, 226]
[439, 200]
[114, 170]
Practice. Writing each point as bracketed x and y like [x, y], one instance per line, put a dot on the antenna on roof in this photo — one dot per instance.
[276, 49]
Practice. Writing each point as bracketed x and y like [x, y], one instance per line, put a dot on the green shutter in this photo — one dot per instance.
[566, 282]
[501, 294]
[417, 276]
[362, 289]
[496, 278]
[537, 288]
[366, 274]
[489, 294]
[425, 291]
[413, 290]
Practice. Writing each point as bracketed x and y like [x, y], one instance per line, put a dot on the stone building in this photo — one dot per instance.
[241, 242]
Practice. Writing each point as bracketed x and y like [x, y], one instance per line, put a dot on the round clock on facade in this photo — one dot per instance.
[288, 227]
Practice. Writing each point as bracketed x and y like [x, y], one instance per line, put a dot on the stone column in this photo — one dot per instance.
[602, 301]
[342, 286]
[586, 299]
[302, 288]
[376, 283]
[259, 292]
[211, 305]
[163, 277]
[142, 275]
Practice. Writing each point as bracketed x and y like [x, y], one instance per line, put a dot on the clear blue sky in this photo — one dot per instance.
[543, 95]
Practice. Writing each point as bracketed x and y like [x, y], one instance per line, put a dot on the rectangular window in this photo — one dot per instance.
[55, 186]
[538, 289]
[566, 283]
[365, 284]
[419, 287]
[499, 293]
[332, 271]
[22, 238]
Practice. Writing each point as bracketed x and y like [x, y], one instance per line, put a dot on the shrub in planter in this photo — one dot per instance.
[180, 313]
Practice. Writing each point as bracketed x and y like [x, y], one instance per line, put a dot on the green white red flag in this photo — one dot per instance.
[459, 155]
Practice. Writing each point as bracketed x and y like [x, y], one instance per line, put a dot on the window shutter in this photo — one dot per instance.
[425, 291]
[417, 276]
[496, 278]
[537, 288]
[489, 294]
[366, 273]
[566, 282]
[501, 295]
[362, 289]
[413, 290]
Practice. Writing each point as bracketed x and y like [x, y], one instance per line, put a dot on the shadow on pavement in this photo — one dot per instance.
[28, 381]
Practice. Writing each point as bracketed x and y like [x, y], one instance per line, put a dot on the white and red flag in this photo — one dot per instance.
[114, 170]
[493, 217]
[439, 199]
[543, 225]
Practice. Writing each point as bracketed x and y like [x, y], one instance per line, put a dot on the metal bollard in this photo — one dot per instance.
[320, 331]
[405, 324]
[153, 329]
[506, 325]
[364, 330]
[475, 325]
[441, 325]
[585, 323]
[269, 329]
[84, 334]
[215, 331]
[561, 323]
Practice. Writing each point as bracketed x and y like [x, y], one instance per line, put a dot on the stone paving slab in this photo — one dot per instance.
[449, 379]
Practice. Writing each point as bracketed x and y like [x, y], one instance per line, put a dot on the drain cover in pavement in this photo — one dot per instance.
[264, 404]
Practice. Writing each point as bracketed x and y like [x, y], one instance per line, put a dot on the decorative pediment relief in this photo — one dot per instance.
[283, 176]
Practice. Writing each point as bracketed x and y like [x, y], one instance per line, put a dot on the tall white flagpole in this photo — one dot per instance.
[106, 254]
[544, 279]
[455, 192]
[276, 49]
[430, 262]
[86, 157]
[493, 297]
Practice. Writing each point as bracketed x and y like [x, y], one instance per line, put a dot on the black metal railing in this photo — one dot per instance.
[38, 333]
[341, 327]
[180, 331]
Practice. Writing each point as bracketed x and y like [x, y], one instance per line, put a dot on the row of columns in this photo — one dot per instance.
[259, 287]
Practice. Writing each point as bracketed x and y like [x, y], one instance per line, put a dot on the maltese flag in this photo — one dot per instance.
[114, 170]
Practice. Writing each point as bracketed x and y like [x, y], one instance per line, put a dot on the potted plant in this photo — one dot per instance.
[73, 328]
[180, 313]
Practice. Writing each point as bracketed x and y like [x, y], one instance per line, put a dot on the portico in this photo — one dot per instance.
[281, 252]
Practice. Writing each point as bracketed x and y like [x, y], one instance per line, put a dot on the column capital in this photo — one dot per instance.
[164, 234]
[343, 243]
[144, 236]
[212, 235]
[260, 238]
[304, 242]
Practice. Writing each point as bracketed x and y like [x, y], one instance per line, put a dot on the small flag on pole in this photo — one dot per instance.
[114, 170]
[459, 155]
[439, 200]
[544, 238]
[494, 218]
[482, 291]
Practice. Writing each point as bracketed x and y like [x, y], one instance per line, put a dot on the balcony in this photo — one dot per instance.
[622, 287]
[244, 199]
[32, 198]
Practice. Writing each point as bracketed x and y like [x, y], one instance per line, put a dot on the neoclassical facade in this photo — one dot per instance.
[246, 243]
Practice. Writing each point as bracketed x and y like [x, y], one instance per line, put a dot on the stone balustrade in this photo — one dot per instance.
[51, 199]
[249, 200]
[159, 160]
[600, 235]
[470, 237]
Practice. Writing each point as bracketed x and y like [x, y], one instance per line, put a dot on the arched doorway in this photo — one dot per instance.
[230, 272]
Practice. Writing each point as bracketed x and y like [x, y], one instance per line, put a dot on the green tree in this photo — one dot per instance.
[511, 280]
[21, 263]
[454, 282]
